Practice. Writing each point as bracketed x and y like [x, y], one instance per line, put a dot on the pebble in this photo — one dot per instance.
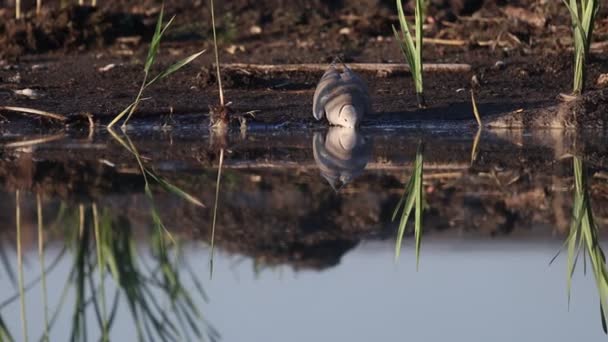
[232, 49]
[499, 65]
[15, 78]
[602, 81]
[255, 30]
[27, 92]
[107, 68]
[345, 31]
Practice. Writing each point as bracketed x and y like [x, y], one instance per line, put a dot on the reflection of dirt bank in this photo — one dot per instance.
[277, 208]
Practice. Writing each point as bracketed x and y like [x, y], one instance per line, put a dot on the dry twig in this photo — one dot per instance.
[42, 113]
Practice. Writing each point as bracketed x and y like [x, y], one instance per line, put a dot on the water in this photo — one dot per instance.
[304, 243]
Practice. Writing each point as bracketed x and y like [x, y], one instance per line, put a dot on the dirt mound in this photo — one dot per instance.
[589, 111]
[75, 27]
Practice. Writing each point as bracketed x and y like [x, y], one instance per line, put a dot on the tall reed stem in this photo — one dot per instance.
[18, 9]
[217, 56]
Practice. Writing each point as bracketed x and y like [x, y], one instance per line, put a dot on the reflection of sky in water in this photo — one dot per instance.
[464, 291]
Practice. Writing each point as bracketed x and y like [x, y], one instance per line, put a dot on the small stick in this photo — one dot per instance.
[33, 142]
[388, 68]
[35, 112]
[450, 42]
[38, 6]
[475, 110]
[18, 9]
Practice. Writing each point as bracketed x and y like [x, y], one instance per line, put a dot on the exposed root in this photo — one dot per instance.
[220, 116]
[379, 68]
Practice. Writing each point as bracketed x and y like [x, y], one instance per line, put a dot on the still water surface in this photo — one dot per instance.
[499, 291]
[304, 246]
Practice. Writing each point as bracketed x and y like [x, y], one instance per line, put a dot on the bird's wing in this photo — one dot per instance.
[323, 91]
[358, 88]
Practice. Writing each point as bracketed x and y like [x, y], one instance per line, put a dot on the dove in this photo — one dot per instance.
[341, 155]
[342, 97]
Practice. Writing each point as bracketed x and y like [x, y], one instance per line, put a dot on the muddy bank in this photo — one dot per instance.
[519, 64]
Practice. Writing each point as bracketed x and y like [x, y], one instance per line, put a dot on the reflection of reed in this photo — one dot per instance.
[217, 196]
[413, 198]
[584, 235]
[138, 283]
[42, 266]
[20, 263]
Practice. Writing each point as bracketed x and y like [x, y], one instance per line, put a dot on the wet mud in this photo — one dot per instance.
[520, 64]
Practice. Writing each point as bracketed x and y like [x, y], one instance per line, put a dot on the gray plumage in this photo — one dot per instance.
[342, 97]
[341, 155]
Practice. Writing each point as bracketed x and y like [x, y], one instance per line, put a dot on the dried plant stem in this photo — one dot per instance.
[475, 148]
[217, 56]
[33, 142]
[18, 9]
[38, 6]
[449, 42]
[80, 219]
[35, 112]
[475, 110]
[135, 104]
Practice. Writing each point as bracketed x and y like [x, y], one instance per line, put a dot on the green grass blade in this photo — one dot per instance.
[5, 334]
[413, 197]
[407, 41]
[419, 191]
[419, 21]
[155, 44]
[175, 67]
[119, 116]
[403, 222]
[175, 190]
[407, 189]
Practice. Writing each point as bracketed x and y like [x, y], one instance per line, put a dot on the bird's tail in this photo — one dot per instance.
[338, 60]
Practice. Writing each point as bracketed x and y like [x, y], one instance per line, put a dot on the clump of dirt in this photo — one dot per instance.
[71, 28]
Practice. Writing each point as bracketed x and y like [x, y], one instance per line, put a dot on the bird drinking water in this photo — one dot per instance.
[342, 97]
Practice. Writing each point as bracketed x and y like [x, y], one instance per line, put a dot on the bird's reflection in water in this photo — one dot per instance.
[341, 155]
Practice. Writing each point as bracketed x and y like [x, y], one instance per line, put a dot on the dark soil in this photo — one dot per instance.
[521, 61]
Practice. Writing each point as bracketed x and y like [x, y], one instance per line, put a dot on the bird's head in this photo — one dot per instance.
[349, 116]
